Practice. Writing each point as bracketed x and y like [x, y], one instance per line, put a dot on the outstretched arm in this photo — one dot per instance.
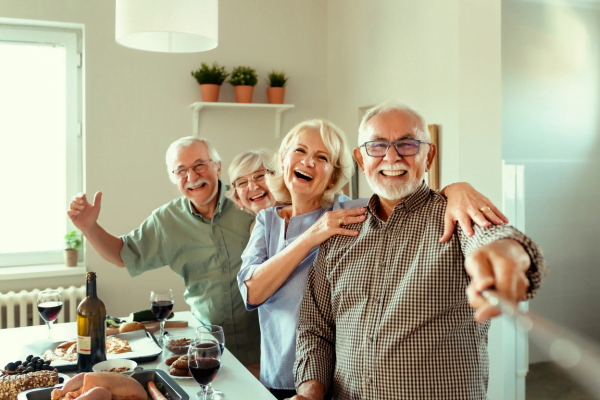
[85, 217]
[466, 204]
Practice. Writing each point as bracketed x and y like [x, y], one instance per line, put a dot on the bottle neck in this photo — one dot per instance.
[91, 288]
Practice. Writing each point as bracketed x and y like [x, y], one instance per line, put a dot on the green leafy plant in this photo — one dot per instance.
[215, 75]
[277, 79]
[243, 76]
[72, 240]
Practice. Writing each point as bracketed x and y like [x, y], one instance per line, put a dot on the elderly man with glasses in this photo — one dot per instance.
[386, 313]
[200, 236]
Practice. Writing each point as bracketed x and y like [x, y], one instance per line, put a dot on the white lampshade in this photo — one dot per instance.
[169, 26]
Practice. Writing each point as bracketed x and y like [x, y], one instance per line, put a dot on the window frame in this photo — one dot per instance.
[70, 36]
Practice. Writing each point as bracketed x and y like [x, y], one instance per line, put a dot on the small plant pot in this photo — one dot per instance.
[71, 257]
[210, 92]
[275, 95]
[243, 93]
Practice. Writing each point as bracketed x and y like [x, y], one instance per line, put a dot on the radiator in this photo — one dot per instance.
[23, 303]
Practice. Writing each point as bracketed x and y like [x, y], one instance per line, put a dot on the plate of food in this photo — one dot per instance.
[141, 385]
[138, 346]
[176, 367]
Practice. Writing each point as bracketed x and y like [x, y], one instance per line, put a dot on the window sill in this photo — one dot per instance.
[40, 271]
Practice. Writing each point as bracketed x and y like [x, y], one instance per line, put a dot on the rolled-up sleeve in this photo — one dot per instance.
[143, 248]
[315, 335]
[483, 236]
[253, 256]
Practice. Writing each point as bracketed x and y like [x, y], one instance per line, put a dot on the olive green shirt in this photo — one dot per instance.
[206, 253]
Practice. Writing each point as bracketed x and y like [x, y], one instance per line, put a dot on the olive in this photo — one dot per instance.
[60, 379]
[10, 367]
[47, 362]
[35, 359]
[29, 369]
[26, 363]
[39, 364]
[17, 363]
[29, 357]
[46, 368]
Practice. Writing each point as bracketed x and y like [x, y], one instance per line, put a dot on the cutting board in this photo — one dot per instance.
[153, 326]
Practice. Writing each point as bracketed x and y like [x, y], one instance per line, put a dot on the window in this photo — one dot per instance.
[40, 138]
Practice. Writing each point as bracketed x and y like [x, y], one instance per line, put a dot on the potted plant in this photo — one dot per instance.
[276, 89]
[72, 244]
[243, 79]
[210, 80]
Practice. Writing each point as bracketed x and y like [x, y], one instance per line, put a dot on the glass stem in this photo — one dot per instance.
[49, 329]
[162, 330]
[202, 395]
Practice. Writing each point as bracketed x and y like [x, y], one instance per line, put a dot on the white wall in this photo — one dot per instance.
[442, 58]
[137, 104]
[550, 100]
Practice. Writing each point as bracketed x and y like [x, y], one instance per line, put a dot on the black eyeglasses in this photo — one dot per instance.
[199, 168]
[404, 147]
[257, 177]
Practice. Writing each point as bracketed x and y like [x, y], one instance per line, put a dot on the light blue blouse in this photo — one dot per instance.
[278, 315]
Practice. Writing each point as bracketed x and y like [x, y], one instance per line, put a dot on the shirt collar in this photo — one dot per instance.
[411, 203]
[220, 203]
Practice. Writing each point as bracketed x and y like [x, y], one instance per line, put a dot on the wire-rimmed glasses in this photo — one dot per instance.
[257, 177]
[49, 304]
[404, 147]
[200, 167]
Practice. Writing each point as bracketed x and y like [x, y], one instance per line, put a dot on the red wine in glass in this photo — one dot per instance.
[161, 309]
[49, 304]
[161, 304]
[49, 310]
[204, 370]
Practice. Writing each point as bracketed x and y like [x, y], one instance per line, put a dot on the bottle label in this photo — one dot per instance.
[84, 344]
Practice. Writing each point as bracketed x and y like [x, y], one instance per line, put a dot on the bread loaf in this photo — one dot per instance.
[12, 385]
[130, 327]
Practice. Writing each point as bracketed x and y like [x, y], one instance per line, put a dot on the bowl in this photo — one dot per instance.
[177, 344]
[118, 365]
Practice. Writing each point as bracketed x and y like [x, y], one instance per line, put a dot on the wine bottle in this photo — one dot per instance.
[91, 328]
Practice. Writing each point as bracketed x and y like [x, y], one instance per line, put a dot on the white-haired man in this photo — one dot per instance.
[201, 236]
[386, 313]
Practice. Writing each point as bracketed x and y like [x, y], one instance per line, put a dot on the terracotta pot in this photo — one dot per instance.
[243, 93]
[70, 257]
[210, 92]
[275, 95]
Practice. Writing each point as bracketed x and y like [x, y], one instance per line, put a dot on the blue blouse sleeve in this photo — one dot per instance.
[254, 255]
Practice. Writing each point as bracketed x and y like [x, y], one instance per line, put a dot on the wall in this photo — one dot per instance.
[137, 104]
[550, 98]
[443, 59]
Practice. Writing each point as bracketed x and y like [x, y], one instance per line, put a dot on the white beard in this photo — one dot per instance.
[390, 192]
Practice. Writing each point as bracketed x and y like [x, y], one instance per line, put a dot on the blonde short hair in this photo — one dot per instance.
[341, 159]
[246, 163]
[187, 142]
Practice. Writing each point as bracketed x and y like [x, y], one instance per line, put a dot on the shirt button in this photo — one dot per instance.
[368, 380]
[370, 339]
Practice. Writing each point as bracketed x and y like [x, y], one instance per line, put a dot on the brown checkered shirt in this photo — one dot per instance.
[385, 314]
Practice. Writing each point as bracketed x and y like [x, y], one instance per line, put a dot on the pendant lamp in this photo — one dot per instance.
[168, 26]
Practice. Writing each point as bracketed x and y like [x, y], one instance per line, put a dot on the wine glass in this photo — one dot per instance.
[204, 361]
[213, 333]
[161, 304]
[49, 304]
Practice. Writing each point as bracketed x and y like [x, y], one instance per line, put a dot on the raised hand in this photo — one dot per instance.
[83, 214]
[331, 223]
[465, 204]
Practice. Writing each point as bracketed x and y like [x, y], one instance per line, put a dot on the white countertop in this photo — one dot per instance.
[233, 379]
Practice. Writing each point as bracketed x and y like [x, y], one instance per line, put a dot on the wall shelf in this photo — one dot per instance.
[199, 105]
